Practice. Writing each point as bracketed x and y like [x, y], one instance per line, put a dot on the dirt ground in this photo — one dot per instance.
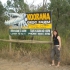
[33, 64]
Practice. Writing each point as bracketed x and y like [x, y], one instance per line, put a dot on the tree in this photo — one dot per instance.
[18, 6]
[1, 9]
[61, 16]
[2, 18]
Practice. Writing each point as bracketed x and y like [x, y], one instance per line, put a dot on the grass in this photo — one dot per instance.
[41, 51]
[4, 34]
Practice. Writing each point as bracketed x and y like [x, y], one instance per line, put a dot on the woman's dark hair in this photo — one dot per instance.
[56, 32]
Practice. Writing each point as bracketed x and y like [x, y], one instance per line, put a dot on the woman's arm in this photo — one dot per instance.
[59, 39]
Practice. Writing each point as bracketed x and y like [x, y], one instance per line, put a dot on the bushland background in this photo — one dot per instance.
[22, 51]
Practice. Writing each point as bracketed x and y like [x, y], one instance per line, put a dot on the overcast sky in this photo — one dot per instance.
[36, 2]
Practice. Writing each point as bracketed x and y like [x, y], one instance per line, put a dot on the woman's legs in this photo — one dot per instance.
[58, 64]
[58, 57]
[53, 62]
[56, 52]
[52, 56]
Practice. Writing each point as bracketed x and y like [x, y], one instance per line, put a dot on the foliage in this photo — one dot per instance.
[17, 6]
[60, 15]
[1, 9]
[2, 18]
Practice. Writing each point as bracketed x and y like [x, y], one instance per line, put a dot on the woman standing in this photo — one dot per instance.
[56, 48]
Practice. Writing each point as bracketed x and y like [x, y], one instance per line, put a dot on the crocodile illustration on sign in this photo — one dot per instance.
[16, 19]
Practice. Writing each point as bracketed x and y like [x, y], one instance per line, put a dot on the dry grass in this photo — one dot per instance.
[41, 53]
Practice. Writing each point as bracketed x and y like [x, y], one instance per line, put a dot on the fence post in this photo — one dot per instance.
[10, 44]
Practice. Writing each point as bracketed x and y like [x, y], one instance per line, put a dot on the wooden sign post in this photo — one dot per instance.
[10, 44]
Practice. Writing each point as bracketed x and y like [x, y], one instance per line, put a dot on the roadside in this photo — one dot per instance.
[33, 64]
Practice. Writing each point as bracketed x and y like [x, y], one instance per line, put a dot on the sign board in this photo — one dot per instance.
[33, 24]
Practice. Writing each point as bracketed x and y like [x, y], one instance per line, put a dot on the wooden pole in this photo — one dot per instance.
[10, 44]
[25, 41]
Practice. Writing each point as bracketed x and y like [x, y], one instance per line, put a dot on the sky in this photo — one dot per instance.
[35, 2]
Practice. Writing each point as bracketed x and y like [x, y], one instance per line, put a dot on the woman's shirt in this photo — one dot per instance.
[55, 40]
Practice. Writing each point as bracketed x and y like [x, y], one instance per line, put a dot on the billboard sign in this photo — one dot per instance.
[38, 23]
